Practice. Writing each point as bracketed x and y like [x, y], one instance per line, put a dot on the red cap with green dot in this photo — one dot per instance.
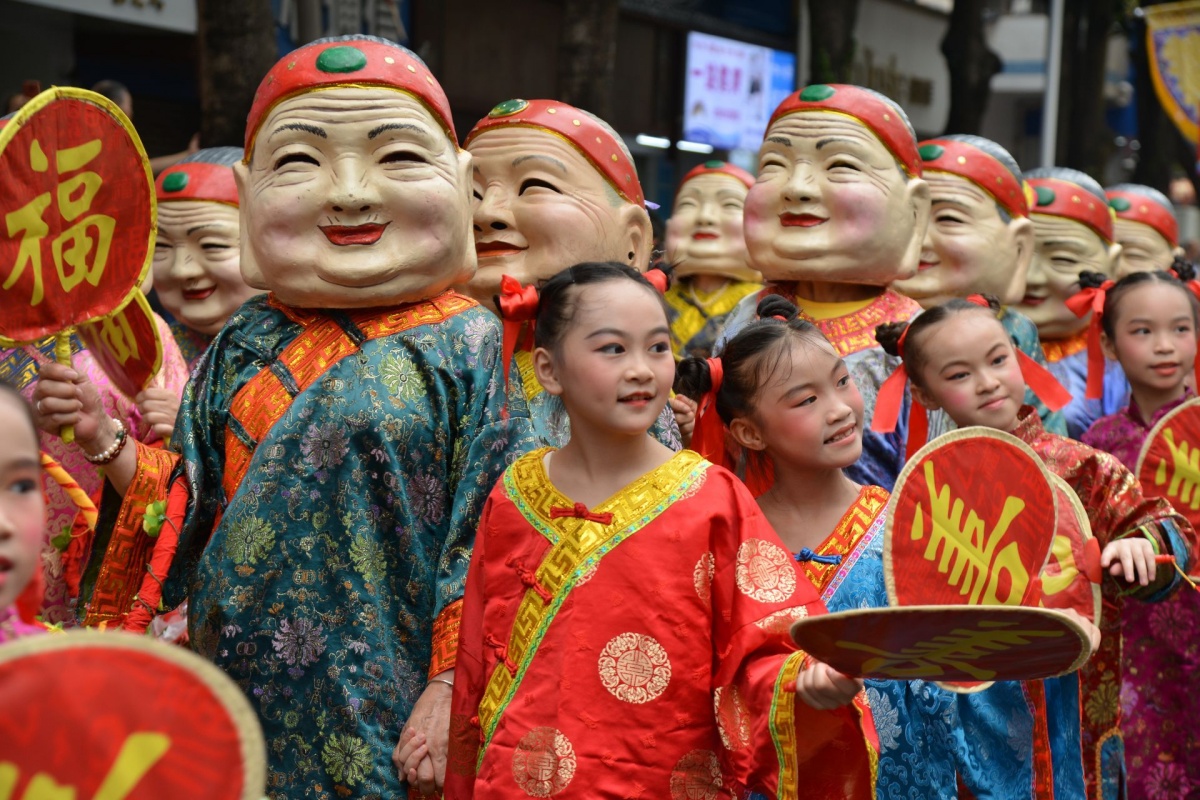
[590, 138]
[718, 167]
[196, 180]
[984, 170]
[1139, 208]
[1058, 198]
[353, 63]
[882, 117]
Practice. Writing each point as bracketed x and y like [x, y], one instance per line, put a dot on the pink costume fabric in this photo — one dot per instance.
[20, 367]
[12, 628]
[1161, 715]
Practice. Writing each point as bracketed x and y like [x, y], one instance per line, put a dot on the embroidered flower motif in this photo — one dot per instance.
[1167, 781]
[249, 539]
[367, 556]
[887, 719]
[764, 571]
[428, 497]
[1171, 623]
[397, 374]
[325, 446]
[634, 668]
[702, 576]
[544, 762]
[1102, 704]
[299, 642]
[347, 758]
[780, 622]
[697, 776]
[733, 717]
[478, 333]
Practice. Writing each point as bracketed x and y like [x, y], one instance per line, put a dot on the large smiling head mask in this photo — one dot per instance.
[553, 186]
[839, 196]
[353, 192]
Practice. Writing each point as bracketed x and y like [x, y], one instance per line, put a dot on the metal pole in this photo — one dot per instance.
[1053, 78]
[803, 44]
[308, 17]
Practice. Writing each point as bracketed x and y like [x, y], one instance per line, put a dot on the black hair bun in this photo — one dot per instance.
[774, 305]
[692, 378]
[888, 335]
[1092, 280]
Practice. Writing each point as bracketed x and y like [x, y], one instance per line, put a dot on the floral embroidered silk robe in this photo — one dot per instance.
[853, 337]
[642, 654]
[337, 464]
[1117, 509]
[1160, 710]
[697, 318]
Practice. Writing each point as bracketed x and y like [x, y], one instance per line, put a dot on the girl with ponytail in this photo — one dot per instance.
[959, 358]
[1147, 322]
[616, 584]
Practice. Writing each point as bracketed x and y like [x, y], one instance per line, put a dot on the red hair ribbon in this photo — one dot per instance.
[658, 279]
[1086, 301]
[708, 437]
[518, 304]
[891, 398]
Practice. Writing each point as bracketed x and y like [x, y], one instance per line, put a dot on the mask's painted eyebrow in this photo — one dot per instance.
[300, 126]
[553, 161]
[393, 126]
[831, 139]
[783, 140]
[207, 225]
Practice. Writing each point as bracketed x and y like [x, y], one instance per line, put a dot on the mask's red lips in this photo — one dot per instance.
[496, 249]
[343, 235]
[195, 295]
[924, 265]
[801, 220]
[703, 235]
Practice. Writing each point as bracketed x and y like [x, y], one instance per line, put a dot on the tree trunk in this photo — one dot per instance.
[588, 55]
[1084, 138]
[971, 65]
[831, 33]
[237, 48]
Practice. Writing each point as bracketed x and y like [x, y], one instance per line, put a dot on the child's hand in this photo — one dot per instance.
[685, 416]
[64, 397]
[824, 688]
[159, 408]
[1132, 558]
[411, 758]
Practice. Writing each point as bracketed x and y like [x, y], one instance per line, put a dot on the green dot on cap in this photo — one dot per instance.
[1120, 204]
[714, 164]
[817, 92]
[1045, 195]
[341, 59]
[930, 152]
[175, 182]
[508, 108]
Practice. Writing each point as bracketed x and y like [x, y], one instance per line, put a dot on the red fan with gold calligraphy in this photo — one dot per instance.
[970, 532]
[121, 716]
[1169, 464]
[77, 202]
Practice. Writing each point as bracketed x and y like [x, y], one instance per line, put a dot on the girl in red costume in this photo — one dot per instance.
[620, 593]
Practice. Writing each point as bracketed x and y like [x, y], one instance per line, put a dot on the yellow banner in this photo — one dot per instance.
[1173, 41]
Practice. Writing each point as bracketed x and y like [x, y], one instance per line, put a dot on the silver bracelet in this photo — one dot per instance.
[442, 680]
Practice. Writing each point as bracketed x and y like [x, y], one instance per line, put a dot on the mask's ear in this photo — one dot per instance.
[1020, 238]
[1114, 258]
[747, 434]
[637, 237]
[469, 257]
[544, 369]
[251, 274]
[916, 195]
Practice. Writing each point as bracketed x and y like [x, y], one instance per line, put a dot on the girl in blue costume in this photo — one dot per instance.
[789, 401]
